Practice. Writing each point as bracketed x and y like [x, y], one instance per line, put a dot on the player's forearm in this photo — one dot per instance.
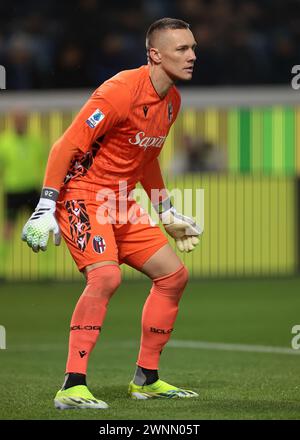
[57, 167]
[153, 184]
[43, 221]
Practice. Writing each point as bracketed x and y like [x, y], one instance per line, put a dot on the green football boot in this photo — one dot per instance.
[158, 389]
[77, 397]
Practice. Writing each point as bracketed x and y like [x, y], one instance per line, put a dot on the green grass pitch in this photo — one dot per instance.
[231, 384]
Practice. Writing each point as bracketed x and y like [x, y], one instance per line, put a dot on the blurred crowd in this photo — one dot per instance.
[53, 44]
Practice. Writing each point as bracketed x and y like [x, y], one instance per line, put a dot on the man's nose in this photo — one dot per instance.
[192, 55]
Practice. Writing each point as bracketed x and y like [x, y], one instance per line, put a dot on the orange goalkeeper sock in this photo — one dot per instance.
[89, 315]
[159, 315]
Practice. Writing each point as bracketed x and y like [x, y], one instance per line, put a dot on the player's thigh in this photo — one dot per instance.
[163, 262]
[90, 241]
[145, 247]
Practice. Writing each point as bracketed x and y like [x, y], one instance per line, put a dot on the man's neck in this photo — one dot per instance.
[160, 80]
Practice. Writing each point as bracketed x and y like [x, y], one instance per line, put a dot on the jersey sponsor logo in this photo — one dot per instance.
[95, 118]
[147, 141]
[99, 244]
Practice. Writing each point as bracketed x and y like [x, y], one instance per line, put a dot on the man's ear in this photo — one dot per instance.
[155, 55]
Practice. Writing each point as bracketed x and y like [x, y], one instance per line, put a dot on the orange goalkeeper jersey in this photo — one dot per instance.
[118, 133]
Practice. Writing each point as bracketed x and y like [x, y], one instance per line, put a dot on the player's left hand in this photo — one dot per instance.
[183, 229]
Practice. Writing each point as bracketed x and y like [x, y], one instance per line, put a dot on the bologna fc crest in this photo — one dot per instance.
[170, 111]
[99, 244]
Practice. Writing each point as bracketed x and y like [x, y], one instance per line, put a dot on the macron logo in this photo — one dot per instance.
[95, 118]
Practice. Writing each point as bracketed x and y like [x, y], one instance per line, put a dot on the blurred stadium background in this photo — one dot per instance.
[240, 144]
[237, 137]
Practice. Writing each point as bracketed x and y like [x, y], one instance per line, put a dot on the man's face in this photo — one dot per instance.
[176, 48]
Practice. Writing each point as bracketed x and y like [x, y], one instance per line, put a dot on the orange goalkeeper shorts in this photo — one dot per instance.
[92, 238]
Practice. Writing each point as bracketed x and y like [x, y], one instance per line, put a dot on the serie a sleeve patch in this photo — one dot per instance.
[95, 118]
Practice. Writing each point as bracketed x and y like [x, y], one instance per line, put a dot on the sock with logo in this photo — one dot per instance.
[89, 315]
[159, 315]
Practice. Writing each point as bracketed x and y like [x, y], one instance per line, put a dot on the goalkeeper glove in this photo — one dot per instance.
[182, 228]
[36, 230]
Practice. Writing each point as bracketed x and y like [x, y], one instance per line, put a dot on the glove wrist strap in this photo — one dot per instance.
[49, 194]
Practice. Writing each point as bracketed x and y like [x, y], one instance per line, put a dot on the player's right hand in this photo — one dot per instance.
[183, 229]
[41, 223]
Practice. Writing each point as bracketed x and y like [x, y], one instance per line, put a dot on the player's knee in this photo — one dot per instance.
[103, 280]
[174, 283]
[181, 277]
[111, 278]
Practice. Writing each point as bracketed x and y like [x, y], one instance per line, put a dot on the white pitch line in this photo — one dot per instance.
[198, 345]
[232, 347]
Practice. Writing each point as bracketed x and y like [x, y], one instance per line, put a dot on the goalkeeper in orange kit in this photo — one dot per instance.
[112, 144]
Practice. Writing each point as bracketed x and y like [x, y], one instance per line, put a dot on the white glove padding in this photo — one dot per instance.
[183, 229]
[41, 223]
